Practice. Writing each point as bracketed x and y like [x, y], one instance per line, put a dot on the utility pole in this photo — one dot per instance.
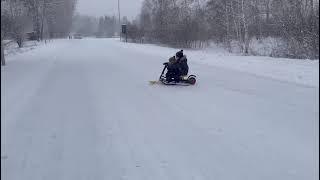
[119, 19]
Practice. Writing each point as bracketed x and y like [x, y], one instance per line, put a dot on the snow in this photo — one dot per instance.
[303, 72]
[12, 48]
[265, 46]
[83, 109]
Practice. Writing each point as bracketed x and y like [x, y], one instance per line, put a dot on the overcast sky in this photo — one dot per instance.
[129, 8]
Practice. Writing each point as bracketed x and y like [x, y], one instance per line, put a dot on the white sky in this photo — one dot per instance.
[129, 8]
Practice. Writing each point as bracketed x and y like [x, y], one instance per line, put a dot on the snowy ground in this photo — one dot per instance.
[83, 109]
[304, 72]
[12, 48]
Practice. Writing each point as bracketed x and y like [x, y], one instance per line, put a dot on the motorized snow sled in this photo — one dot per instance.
[182, 80]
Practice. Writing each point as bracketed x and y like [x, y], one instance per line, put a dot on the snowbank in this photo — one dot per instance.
[13, 49]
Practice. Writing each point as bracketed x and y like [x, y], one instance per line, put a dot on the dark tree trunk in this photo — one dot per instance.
[3, 62]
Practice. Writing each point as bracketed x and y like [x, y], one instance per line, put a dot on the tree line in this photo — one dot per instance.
[102, 27]
[41, 18]
[193, 23]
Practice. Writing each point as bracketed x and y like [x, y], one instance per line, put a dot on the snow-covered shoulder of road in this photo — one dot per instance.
[11, 47]
[304, 72]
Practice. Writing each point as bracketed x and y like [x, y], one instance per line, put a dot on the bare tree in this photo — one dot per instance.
[56, 13]
[189, 23]
[3, 61]
[15, 18]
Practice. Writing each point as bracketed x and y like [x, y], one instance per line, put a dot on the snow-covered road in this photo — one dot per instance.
[83, 110]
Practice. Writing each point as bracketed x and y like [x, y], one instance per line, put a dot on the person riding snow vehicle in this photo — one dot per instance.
[177, 67]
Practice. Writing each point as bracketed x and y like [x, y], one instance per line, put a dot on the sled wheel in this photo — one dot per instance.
[192, 80]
